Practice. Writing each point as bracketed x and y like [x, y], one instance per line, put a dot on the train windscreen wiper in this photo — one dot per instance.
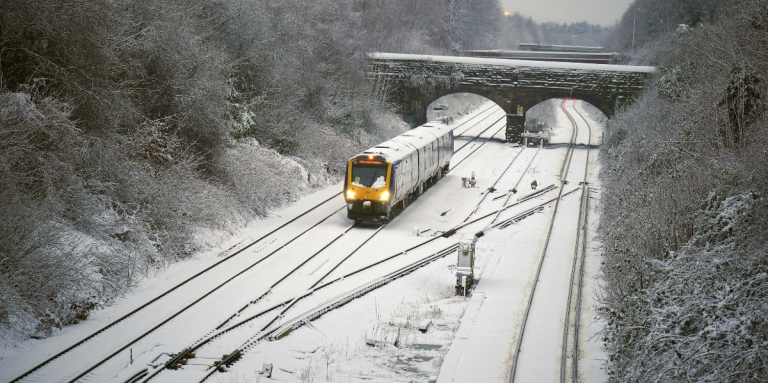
[373, 178]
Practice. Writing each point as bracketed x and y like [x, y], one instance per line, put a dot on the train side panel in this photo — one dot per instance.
[443, 146]
[426, 143]
[405, 176]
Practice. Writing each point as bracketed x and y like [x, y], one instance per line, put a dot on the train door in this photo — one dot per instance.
[422, 164]
[410, 178]
[393, 180]
[432, 156]
[441, 156]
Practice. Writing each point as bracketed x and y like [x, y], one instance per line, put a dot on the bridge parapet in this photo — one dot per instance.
[415, 81]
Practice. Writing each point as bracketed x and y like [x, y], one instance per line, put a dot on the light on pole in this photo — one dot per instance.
[633, 32]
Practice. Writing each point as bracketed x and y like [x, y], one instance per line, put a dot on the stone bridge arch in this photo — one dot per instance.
[414, 81]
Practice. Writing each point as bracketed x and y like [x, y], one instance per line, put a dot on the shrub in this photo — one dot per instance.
[684, 275]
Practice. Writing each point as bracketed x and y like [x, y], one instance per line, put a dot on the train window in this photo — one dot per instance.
[369, 173]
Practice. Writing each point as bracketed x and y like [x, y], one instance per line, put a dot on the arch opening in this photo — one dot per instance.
[453, 106]
[547, 116]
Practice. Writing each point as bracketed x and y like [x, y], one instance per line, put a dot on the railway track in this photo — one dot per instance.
[535, 349]
[231, 323]
[106, 333]
[482, 116]
[274, 331]
[255, 312]
[268, 331]
[512, 191]
[284, 306]
[107, 330]
[478, 135]
[503, 126]
[577, 266]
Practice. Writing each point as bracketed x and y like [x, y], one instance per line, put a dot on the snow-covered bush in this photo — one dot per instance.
[83, 218]
[685, 272]
[264, 179]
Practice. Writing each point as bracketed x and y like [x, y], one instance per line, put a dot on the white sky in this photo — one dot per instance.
[603, 12]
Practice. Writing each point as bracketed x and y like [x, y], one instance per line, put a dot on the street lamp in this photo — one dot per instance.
[633, 32]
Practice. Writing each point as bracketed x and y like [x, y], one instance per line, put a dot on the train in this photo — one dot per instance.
[383, 180]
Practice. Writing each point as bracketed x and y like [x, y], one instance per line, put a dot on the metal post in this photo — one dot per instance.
[465, 266]
[633, 32]
[515, 126]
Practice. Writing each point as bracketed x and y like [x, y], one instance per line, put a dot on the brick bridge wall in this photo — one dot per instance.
[415, 81]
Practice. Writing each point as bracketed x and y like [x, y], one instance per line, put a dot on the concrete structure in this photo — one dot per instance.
[558, 48]
[415, 81]
[573, 57]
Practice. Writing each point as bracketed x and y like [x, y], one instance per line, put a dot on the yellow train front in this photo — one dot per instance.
[367, 188]
[382, 181]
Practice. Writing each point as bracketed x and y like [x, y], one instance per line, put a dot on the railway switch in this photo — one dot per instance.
[465, 266]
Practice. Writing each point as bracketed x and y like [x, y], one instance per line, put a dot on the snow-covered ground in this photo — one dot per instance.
[469, 339]
[376, 337]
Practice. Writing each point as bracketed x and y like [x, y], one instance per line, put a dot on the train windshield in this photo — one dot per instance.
[369, 174]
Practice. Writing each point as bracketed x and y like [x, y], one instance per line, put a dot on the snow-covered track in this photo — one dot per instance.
[581, 246]
[482, 113]
[283, 307]
[477, 136]
[342, 299]
[84, 368]
[511, 192]
[503, 126]
[193, 303]
[103, 331]
[276, 332]
[555, 274]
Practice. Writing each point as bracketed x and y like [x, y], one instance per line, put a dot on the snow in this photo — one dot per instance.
[504, 291]
[466, 339]
[592, 355]
[480, 349]
[379, 183]
[514, 63]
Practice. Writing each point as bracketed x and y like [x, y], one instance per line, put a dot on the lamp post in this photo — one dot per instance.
[633, 32]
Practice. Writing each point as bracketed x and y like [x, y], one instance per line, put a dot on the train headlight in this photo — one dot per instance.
[384, 196]
[350, 194]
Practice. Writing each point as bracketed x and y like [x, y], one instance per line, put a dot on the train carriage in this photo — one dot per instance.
[381, 181]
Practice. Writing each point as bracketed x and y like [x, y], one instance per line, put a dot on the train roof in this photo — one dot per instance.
[403, 145]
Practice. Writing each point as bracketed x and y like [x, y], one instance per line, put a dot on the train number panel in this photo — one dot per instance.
[382, 181]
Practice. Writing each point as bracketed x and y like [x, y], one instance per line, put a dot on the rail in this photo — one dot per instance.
[563, 172]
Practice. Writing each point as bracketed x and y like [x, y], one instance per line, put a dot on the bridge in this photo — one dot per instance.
[414, 81]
